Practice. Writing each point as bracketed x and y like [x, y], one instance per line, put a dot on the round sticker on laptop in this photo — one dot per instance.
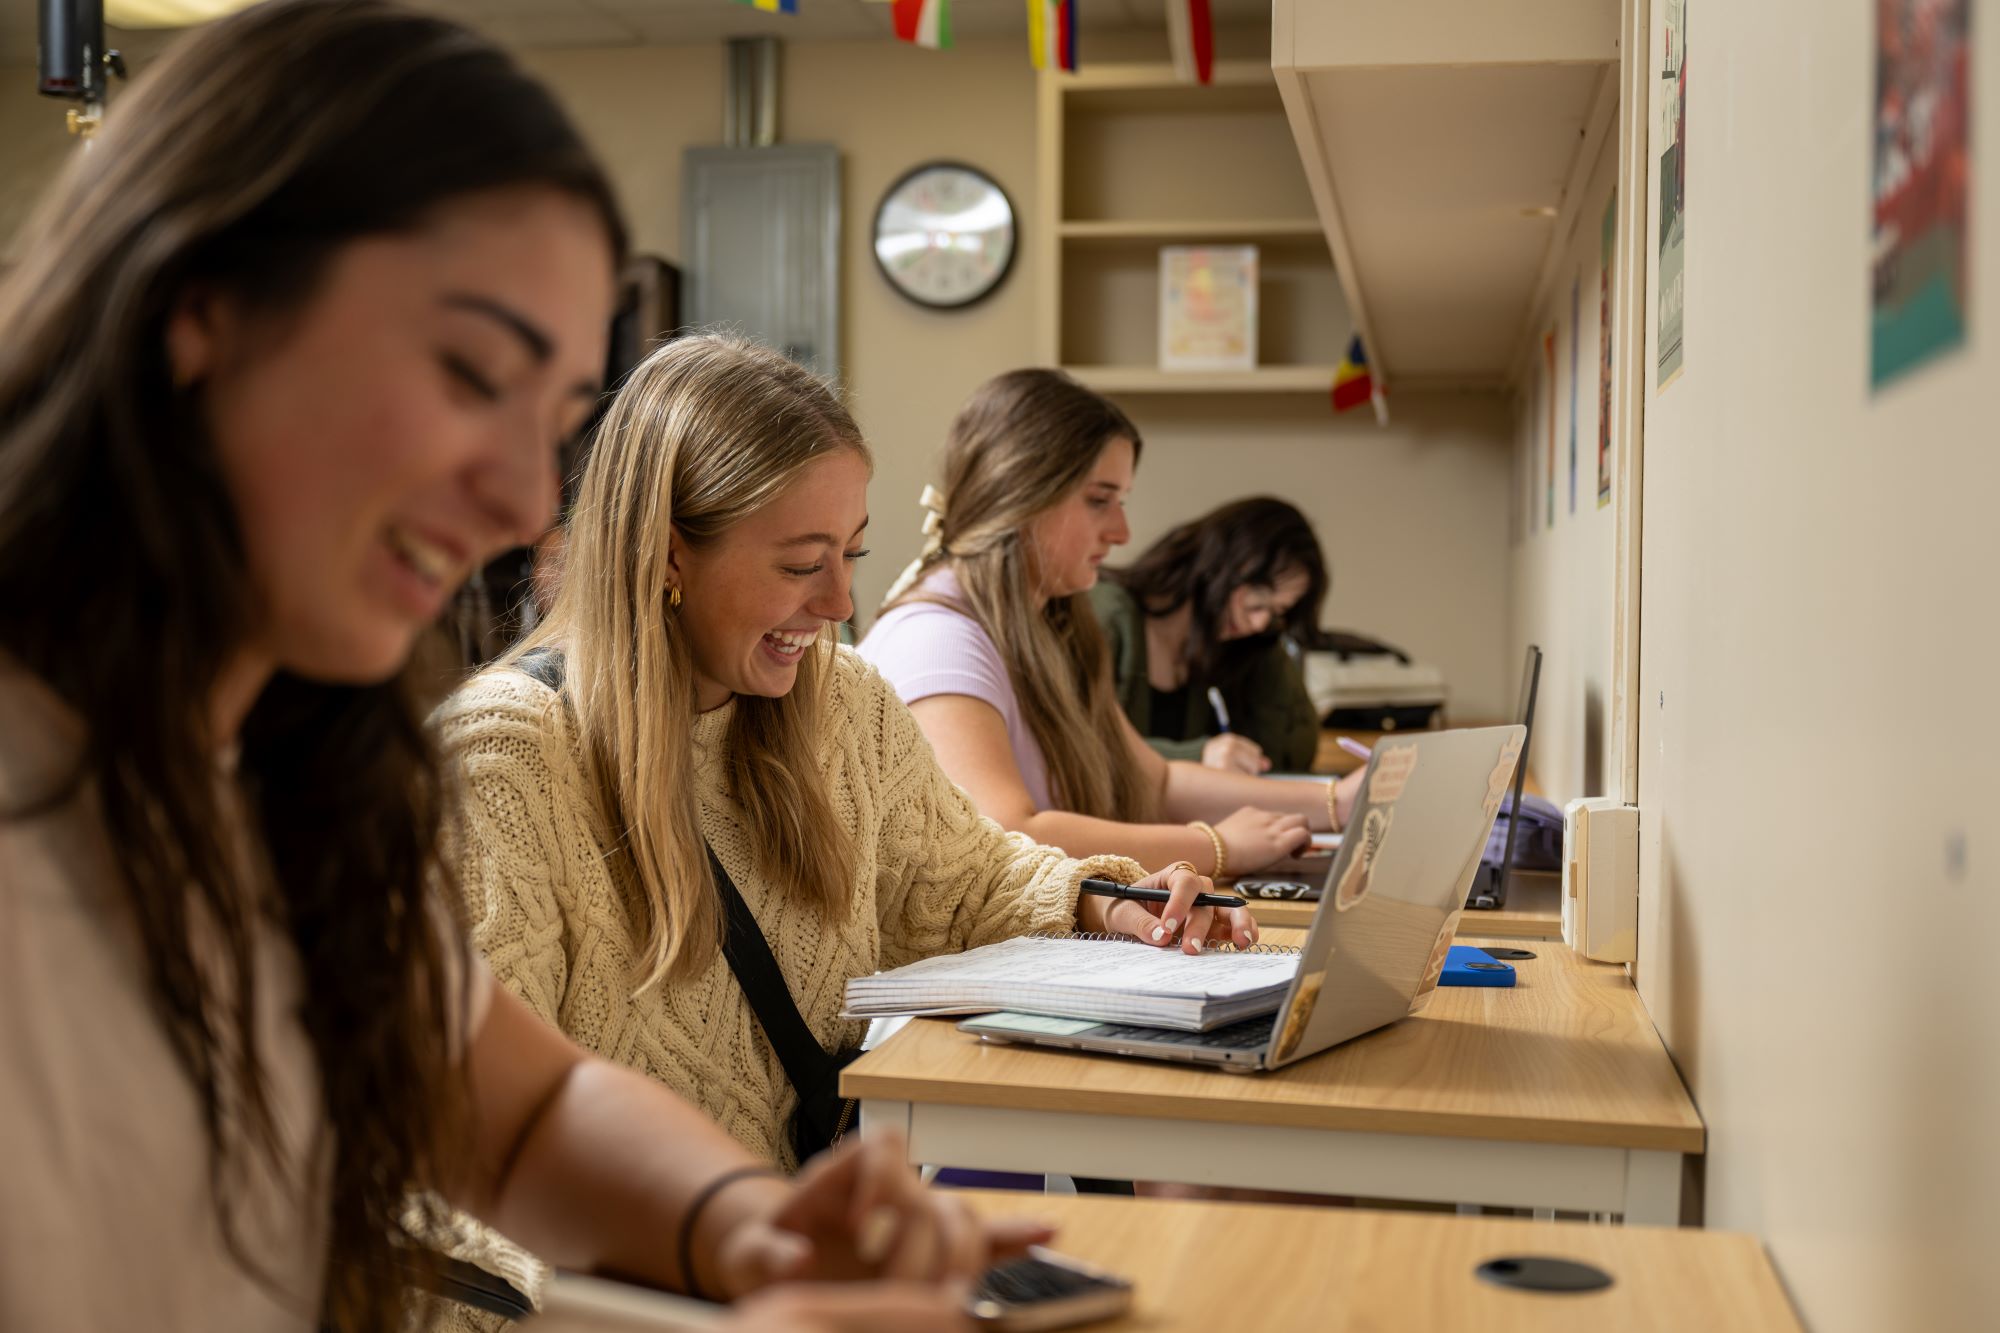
[1353, 886]
[1393, 766]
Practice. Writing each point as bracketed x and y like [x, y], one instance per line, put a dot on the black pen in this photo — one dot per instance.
[1105, 888]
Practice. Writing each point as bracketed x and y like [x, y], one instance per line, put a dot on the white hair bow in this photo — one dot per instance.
[933, 502]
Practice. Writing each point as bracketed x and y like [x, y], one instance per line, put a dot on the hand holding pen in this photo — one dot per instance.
[1227, 750]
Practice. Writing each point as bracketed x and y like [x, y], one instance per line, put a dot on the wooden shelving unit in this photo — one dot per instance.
[1131, 160]
[1189, 231]
[1151, 379]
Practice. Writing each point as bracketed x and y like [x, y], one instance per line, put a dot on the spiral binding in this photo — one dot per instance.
[1208, 946]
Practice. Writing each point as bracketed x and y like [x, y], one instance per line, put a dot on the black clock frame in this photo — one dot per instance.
[875, 230]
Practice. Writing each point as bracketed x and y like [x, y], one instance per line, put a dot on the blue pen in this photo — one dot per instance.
[1221, 708]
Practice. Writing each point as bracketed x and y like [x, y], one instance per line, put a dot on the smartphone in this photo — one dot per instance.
[1467, 966]
[1297, 890]
[1044, 1289]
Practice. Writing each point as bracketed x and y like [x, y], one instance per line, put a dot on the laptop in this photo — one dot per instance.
[1384, 925]
[1489, 886]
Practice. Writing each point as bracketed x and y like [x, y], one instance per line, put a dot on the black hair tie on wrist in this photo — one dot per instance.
[685, 1247]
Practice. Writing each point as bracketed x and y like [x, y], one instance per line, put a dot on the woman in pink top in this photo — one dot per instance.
[990, 640]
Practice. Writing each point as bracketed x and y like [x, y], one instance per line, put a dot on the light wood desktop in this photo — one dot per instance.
[1338, 1269]
[1533, 911]
[1555, 1093]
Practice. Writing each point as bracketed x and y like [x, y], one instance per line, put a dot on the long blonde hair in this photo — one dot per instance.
[706, 431]
[1022, 443]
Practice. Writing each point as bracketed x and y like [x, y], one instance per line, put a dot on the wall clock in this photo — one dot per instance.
[944, 234]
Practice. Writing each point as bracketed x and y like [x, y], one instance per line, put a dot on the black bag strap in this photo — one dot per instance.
[812, 1071]
[544, 665]
[806, 1062]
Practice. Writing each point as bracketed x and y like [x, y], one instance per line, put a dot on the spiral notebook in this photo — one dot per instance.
[1105, 978]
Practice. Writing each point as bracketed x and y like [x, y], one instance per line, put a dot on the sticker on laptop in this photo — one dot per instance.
[1502, 775]
[1353, 886]
[1393, 766]
[1433, 970]
[1300, 1014]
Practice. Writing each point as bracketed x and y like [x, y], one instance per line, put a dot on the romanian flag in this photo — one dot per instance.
[1191, 35]
[773, 6]
[925, 22]
[1052, 34]
[1352, 384]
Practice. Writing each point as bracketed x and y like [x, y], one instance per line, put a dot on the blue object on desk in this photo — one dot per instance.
[1467, 966]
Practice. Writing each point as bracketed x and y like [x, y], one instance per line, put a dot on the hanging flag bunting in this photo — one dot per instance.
[1191, 36]
[1052, 34]
[925, 22]
[773, 6]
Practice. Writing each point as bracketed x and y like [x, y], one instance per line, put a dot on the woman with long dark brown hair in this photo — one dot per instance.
[1204, 613]
[287, 353]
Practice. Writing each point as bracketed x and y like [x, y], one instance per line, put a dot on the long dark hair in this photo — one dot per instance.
[1246, 542]
[244, 160]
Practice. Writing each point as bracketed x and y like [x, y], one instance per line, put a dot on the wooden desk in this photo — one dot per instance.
[1554, 1093]
[1533, 911]
[1341, 1270]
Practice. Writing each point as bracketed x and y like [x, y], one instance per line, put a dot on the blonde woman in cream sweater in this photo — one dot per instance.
[702, 704]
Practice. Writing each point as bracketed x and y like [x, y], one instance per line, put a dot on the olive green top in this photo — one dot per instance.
[1261, 684]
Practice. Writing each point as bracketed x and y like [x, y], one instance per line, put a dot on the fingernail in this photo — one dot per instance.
[1159, 933]
[1171, 924]
[877, 1230]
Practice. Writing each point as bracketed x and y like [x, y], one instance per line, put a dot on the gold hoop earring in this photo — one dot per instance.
[674, 597]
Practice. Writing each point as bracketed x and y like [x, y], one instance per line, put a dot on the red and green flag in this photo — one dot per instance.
[924, 22]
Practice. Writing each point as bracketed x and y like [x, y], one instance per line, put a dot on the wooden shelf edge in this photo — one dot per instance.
[1229, 229]
[1151, 379]
[1151, 77]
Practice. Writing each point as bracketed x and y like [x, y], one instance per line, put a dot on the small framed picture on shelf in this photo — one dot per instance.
[1208, 307]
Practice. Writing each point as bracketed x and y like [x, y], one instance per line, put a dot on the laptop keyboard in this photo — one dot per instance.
[1245, 1036]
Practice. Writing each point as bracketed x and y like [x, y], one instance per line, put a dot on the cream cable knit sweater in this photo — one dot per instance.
[932, 876]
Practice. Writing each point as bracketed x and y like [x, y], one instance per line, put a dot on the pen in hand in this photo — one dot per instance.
[1354, 747]
[1105, 888]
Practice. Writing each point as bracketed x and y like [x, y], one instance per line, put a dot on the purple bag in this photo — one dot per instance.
[1538, 834]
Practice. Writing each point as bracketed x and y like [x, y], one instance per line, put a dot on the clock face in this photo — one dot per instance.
[944, 234]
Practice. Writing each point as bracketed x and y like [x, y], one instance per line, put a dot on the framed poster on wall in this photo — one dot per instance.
[1922, 179]
[1672, 136]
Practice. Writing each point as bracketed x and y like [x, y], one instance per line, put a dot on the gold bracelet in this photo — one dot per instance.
[1333, 805]
[1215, 841]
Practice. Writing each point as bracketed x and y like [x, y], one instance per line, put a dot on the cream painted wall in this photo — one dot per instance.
[1564, 590]
[1414, 518]
[1817, 737]
[33, 146]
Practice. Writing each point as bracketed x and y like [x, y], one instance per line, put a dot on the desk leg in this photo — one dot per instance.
[877, 1116]
[1653, 1188]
